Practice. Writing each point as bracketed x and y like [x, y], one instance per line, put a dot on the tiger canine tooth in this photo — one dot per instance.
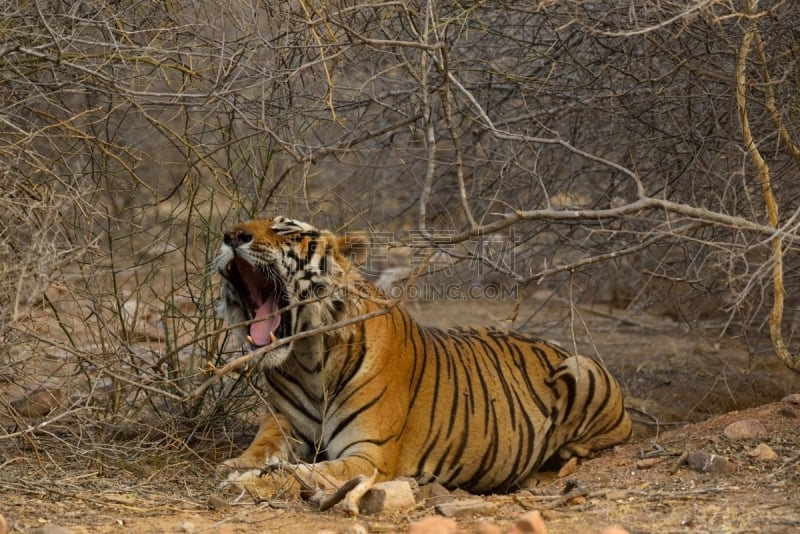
[272, 337]
[251, 340]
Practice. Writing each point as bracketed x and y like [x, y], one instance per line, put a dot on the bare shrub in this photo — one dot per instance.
[617, 152]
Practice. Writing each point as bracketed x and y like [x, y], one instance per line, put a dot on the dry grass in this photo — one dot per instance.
[587, 150]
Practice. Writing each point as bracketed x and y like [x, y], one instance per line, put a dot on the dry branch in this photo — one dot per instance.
[133, 132]
[791, 360]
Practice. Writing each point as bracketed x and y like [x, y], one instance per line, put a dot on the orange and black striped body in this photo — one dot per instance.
[475, 408]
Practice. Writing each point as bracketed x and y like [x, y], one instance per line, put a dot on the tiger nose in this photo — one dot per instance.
[235, 238]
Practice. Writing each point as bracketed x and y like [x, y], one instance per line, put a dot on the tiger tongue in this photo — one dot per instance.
[261, 329]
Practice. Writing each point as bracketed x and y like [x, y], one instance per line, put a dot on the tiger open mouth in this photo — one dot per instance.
[262, 295]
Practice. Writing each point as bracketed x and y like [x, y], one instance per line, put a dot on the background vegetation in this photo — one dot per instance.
[643, 154]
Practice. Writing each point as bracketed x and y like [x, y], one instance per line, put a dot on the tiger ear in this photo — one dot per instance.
[355, 247]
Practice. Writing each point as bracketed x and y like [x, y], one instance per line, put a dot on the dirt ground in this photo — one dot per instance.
[684, 386]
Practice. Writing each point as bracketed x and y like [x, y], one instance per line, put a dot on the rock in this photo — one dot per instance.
[703, 462]
[569, 468]
[38, 401]
[435, 525]
[530, 523]
[763, 452]
[746, 429]
[395, 495]
[487, 528]
[794, 398]
[188, 527]
[614, 529]
[464, 508]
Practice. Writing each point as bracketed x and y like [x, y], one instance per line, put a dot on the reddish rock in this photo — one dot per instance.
[435, 525]
[488, 528]
[746, 429]
[530, 523]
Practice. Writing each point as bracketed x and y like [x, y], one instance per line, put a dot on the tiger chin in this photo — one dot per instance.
[479, 409]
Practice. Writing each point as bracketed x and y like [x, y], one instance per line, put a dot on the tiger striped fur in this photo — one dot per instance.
[475, 408]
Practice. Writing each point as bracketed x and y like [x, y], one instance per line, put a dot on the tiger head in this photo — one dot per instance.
[282, 277]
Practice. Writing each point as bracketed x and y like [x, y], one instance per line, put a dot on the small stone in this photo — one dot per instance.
[464, 508]
[703, 462]
[487, 528]
[530, 523]
[746, 429]
[355, 528]
[647, 463]
[188, 527]
[794, 398]
[434, 525]
[614, 529]
[763, 452]
[569, 468]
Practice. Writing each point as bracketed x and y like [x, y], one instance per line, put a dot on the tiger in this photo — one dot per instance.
[475, 408]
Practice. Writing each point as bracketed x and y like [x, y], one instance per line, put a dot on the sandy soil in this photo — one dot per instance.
[673, 376]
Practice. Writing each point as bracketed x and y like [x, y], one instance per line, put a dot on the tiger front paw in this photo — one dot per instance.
[245, 461]
[262, 485]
